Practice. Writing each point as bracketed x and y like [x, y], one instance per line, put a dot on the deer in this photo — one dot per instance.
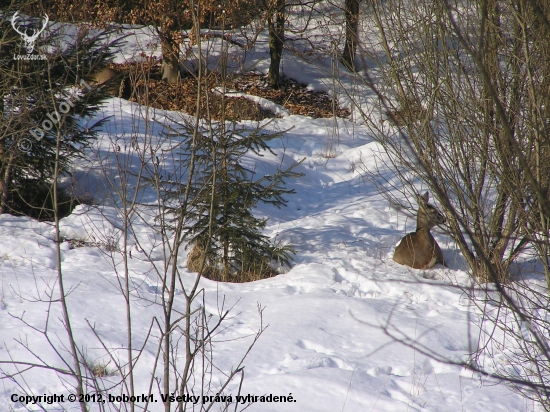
[104, 75]
[116, 83]
[419, 249]
[29, 40]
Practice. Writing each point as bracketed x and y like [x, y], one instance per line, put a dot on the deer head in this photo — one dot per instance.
[29, 40]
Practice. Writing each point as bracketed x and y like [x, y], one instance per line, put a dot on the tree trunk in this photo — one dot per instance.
[170, 54]
[5, 185]
[276, 41]
[352, 24]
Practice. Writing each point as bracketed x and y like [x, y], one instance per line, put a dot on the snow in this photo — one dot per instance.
[265, 104]
[326, 344]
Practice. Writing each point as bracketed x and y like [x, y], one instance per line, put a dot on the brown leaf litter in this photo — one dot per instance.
[149, 90]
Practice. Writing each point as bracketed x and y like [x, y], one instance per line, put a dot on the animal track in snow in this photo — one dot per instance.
[314, 346]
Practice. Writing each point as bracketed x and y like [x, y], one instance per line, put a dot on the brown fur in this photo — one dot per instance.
[104, 75]
[419, 249]
[116, 83]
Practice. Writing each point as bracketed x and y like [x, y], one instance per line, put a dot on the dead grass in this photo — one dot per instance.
[293, 96]
[212, 269]
[148, 89]
[101, 370]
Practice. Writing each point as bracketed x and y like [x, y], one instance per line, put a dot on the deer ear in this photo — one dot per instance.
[424, 198]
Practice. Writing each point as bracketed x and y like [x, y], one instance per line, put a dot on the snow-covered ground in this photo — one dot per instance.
[325, 346]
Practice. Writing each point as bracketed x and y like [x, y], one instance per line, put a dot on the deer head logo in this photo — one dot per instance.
[29, 40]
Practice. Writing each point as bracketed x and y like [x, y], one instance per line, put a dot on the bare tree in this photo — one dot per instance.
[472, 149]
[276, 27]
[182, 332]
[29, 92]
[464, 88]
[351, 11]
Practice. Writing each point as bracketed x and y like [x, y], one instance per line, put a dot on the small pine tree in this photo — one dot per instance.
[234, 245]
[40, 100]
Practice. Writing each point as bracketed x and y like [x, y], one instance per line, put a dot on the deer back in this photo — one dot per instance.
[104, 75]
[419, 249]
